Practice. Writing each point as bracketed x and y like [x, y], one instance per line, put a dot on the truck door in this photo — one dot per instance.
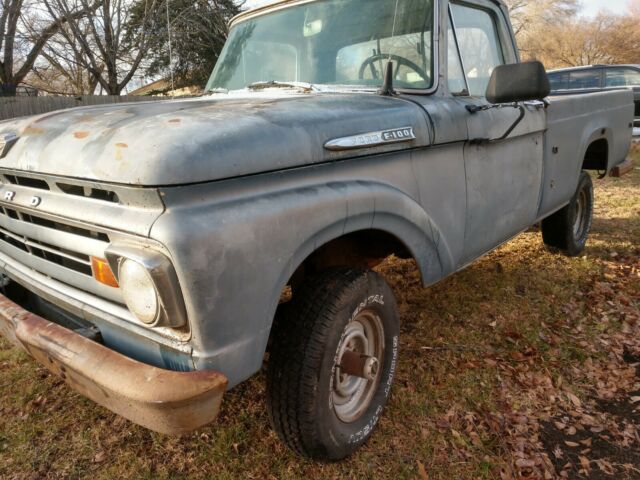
[503, 177]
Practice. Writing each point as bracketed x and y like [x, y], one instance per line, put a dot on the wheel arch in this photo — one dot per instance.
[597, 150]
[596, 157]
[407, 232]
[388, 233]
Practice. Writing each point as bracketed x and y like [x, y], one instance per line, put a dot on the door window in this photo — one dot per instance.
[479, 45]
[584, 79]
[622, 77]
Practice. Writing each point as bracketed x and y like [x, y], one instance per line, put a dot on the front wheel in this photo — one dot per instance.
[568, 228]
[332, 363]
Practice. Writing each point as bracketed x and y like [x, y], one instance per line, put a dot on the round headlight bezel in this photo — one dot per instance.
[171, 308]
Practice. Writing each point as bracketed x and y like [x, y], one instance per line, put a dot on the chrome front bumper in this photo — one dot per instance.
[161, 400]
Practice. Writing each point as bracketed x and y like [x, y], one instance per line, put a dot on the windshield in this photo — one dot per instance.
[331, 42]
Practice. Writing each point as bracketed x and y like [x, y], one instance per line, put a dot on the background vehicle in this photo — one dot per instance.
[600, 77]
[193, 235]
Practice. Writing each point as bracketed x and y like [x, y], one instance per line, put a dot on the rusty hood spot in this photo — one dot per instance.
[81, 134]
[175, 120]
[31, 130]
[119, 147]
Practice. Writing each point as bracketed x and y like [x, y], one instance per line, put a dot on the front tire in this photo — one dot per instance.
[340, 320]
[568, 228]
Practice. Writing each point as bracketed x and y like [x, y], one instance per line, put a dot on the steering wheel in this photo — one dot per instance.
[399, 61]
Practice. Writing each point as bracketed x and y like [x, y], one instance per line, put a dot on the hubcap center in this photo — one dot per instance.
[359, 365]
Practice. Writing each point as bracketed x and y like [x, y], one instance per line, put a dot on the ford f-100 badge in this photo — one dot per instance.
[371, 139]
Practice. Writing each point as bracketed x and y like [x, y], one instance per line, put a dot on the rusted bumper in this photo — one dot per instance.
[622, 169]
[161, 400]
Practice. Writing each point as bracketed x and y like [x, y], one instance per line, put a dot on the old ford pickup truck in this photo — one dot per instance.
[153, 253]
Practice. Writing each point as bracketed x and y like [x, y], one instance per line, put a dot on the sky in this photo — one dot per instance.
[255, 3]
[590, 7]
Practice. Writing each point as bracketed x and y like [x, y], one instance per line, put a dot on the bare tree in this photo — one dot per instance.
[197, 29]
[553, 32]
[23, 35]
[608, 39]
[527, 16]
[101, 43]
[531, 20]
[621, 36]
[60, 69]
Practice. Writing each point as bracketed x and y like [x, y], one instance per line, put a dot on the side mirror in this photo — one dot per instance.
[518, 82]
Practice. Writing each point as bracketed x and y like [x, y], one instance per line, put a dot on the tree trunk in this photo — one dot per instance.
[8, 90]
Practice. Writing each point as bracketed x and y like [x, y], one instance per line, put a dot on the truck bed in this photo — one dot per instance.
[605, 117]
[636, 99]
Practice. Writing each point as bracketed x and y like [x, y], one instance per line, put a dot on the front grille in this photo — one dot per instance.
[45, 222]
[54, 226]
[63, 255]
[89, 192]
[27, 182]
[638, 109]
[74, 261]
[63, 187]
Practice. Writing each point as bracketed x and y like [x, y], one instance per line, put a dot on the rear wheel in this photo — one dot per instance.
[332, 363]
[568, 229]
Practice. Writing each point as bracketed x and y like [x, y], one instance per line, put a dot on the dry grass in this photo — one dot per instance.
[501, 365]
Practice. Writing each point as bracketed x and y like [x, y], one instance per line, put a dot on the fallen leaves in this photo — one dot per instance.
[100, 457]
[422, 472]
[585, 464]
[521, 367]
[575, 400]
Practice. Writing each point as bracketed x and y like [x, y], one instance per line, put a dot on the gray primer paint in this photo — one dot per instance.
[240, 189]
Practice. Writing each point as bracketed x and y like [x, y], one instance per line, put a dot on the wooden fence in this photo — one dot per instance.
[11, 107]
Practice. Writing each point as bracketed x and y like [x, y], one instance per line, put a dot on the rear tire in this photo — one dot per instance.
[316, 409]
[568, 229]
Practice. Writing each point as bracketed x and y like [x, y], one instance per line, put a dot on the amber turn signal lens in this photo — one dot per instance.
[102, 272]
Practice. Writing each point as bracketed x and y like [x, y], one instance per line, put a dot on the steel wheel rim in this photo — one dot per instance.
[352, 395]
[580, 219]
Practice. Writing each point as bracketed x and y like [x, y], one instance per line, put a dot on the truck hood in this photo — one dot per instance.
[174, 142]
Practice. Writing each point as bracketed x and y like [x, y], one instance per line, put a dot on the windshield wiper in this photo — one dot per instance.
[274, 84]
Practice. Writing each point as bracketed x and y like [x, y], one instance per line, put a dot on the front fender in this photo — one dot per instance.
[235, 252]
[377, 206]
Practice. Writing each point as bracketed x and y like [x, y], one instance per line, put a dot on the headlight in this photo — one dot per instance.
[149, 285]
[139, 291]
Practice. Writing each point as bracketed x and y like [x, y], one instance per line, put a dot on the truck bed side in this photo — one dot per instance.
[584, 131]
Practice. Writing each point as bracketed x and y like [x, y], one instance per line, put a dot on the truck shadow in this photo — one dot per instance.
[565, 446]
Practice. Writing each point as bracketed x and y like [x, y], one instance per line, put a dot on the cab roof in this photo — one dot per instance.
[278, 4]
